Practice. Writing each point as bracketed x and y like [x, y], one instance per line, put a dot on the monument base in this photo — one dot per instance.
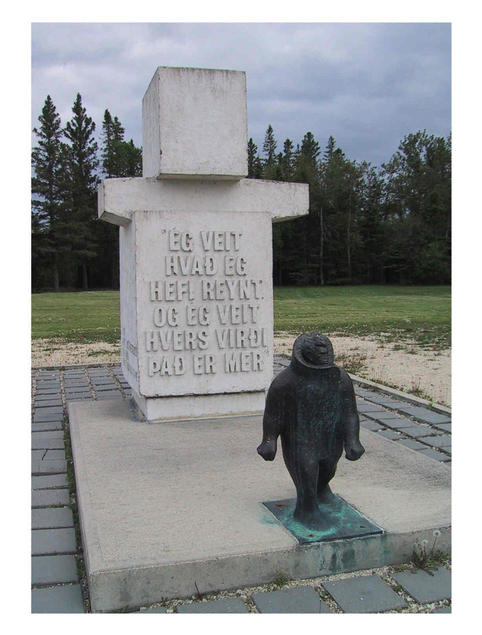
[343, 521]
[158, 409]
[176, 509]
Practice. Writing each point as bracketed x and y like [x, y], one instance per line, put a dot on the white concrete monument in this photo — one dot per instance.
[195, 252]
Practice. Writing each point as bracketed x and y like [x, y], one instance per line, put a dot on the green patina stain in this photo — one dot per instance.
[343, 521]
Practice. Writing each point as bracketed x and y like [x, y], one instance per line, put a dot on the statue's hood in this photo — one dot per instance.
[301, 365]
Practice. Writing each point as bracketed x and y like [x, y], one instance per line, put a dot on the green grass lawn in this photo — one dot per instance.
[421, 313]
[398, 312]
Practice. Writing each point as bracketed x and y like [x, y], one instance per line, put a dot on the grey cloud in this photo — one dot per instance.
[366, 84]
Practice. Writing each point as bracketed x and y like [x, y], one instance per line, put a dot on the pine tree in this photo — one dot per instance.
[47, 197]
[119, 158]
[81, 185]
[418, 207]
[287, 160]
[269, 150]
[132, 159]
[255, 167]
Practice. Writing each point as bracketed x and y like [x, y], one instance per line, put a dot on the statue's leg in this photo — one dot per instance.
[307, 510]
[326, 471]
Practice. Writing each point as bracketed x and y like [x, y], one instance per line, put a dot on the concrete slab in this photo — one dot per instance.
[49, 482]
[223, 605]
[53, 541]
[53, 570]
[50, 498]
[426, 587]
[173, 509]
[293, 600]
[364, 594]
[60, 599]
[52, 517]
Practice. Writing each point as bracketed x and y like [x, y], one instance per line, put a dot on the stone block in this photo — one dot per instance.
[55, 410]
[41, 442]
[42, 384]
[41, 391]
[119, 199]
[47, 426]
[53, 541]
[433, 454]
[442, 441]
[47, 403]
[54, 455]
[41, 398]
[194, 124]
[196, 312]
[426, 587]
[368, 407]
[54, 569]
[418, 430]
[389, 434]
[424, 414]
[109, 394]
[80, 396]
[77, 389]
[59, 599]
[43, 417]
[223, 605]
[50, 498]
[302, 599]
[48, 467]
[105, 387]
[370, 425]
[364, 594]
[392, 421]
[49, 482]
[446, 427]
[52, 517]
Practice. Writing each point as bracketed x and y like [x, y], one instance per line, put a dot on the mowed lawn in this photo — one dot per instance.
[393, 312]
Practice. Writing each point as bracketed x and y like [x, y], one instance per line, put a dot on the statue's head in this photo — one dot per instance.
[315, 350]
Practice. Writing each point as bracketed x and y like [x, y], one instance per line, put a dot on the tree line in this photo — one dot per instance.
[366, 225]
[70, 247]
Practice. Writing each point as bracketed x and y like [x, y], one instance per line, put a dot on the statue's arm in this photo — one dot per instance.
[272, 421]
[350, 419]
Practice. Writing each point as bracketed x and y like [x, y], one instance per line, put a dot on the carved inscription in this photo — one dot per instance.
[205, 307]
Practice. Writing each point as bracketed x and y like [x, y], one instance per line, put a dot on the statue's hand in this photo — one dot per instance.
[267, 449]
[354, 450]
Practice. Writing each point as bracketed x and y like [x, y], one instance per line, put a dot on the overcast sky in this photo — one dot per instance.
[367, 84]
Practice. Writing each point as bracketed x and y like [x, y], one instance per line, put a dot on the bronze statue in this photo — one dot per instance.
[311, 405]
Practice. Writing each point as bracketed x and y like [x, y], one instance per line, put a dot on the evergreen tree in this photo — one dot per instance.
[119, 159]
[341, 191]
[255, 166]
[46, 194]
[418, 208]
[286, 160]
[372, 233]
[307, 233]
[81, 185]
[269, 150]
[132, 159]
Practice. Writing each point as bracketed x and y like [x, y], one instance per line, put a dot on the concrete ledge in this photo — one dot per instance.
[160, 409]
[168, 510]
[403, 396]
